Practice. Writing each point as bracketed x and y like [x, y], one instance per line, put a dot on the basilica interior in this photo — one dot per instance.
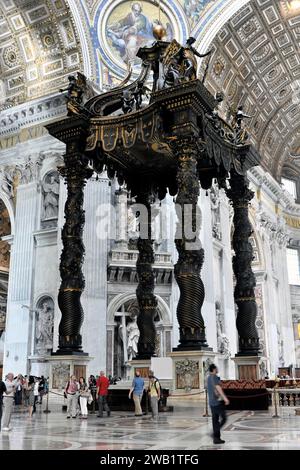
[247, 54]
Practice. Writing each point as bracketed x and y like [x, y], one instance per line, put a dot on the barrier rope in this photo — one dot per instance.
[247, 396]
[186, 395]
[55, 393]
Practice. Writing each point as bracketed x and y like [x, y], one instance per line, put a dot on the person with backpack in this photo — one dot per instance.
[154, 393]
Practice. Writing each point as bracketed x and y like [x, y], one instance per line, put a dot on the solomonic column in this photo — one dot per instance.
[240, 196]
[191, 255]
[145, 291]
[72, 280]
[73, 132]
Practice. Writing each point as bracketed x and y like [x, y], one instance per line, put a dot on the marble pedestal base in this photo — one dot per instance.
[39, 365]
[189, 370]
[61, 367]
[248, 367]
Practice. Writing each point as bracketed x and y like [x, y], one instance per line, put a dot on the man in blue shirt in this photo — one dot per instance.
[217, 401]
[137, 390]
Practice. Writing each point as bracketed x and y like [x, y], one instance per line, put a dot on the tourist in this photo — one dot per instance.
[72, 393]
[8, 401]
[137, 390]
[36, 392]
[102, 392]
[84, 394]
[25, 391]
[92, 381]
[42, 389]
[2, 390]
[217, 402]
[30, 394]
[19, 390]
[154, 392]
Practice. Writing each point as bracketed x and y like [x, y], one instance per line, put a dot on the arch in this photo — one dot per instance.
[120, 299]
[10, 209]
[81, 26]
[211, 23]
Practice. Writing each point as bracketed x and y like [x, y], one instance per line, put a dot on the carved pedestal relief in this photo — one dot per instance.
[60, 375]
[187, 375]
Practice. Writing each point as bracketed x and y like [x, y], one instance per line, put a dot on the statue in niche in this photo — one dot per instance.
[132, 228]
[44, 326]
[50, 187]
[133, 334]
[222, 339]
[215, 211]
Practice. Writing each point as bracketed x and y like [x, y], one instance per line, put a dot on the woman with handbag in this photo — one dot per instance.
[84, 394]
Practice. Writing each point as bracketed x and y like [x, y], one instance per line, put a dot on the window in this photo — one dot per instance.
[293, 266]
[289, 186]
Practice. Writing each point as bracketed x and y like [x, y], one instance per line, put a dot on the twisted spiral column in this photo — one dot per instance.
[191, 255]
[145, 291]
[240, 196]
[72, 280]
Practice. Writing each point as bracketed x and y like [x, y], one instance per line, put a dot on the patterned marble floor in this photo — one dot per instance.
[184, 429]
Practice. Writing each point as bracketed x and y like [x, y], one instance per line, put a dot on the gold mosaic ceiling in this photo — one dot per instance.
[257, 63]
[39, 46]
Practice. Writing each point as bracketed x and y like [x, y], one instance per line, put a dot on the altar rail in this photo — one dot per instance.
[288, 397]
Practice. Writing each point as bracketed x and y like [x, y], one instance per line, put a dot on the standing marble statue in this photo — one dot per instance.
[133, 334]
[222, 339]
[51, 196]
[44, 327]
[215, 210]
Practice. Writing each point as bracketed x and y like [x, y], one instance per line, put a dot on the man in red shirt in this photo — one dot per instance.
[102, 392]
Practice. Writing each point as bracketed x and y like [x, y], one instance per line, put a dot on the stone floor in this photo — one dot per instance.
[184, 429]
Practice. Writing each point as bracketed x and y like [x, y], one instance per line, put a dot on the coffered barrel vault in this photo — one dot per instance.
[256, 64]
[39, 46]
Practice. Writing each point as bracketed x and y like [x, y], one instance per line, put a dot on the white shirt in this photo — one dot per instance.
[10, 388]
[36, 389]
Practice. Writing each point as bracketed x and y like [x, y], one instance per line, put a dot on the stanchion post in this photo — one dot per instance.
[47, 403]
[206, 414]
[275, 404]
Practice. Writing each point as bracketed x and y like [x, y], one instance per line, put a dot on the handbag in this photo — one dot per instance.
[90, 398]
